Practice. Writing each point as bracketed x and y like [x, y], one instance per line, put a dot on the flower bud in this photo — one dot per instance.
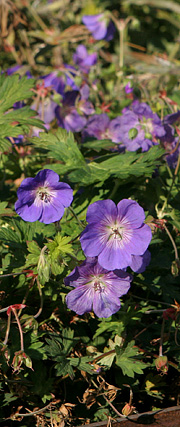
[162, 364]
[19, 358]
[128, 409]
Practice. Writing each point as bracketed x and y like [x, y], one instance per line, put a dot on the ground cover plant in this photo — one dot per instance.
[90, 210]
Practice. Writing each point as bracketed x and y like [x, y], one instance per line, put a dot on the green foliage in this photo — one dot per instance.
[62, 147]
[127, 360]
[15, 122]
[60, 348]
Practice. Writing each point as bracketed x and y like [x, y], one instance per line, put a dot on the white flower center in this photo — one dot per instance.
[105, 134]
[147, 126]
[97, 282]
[120, 232]
[43, 195]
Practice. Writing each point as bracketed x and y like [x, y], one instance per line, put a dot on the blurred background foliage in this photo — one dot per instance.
[54, 26]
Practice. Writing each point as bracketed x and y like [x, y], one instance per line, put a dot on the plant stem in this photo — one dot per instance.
[74, 214]
[19, 326]
[41, 299]
[7, 329]
[161, 338]
[173, 243]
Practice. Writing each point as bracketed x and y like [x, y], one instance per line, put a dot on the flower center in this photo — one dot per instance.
[97, 282]
[44, 194]
[116, 232]
[97, 286]
[105, 134]
[65, 110]
[147, 126]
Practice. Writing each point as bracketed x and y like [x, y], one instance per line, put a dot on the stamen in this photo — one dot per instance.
[44, 194]
[97, 286]
[117, 233]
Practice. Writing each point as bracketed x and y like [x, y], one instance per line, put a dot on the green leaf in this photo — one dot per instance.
[4, 211]
[82, 363]
[14, 89]
[126, 359]
[60, 246]
[123, 166]
[99, 145]
[62, 147]
[24, 115]
[16, 121]
[175, 215]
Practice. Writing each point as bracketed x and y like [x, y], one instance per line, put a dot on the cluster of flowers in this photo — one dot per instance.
[58, 97]
[137, 127]
[115, 238]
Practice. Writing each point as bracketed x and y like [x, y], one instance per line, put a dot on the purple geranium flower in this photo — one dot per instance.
[46, 110]
[53, 81]
[115, 233]
[15, 68]
[70, 73]
[169, 141]
[67, 115]
[172, 118]
[101, 127]
[100, 25]
[140, 262]
[140, 127]
[83, 59]
[43, 198]
[128, 88]
[173, 151]
[96, 288]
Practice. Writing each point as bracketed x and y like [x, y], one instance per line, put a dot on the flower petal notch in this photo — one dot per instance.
[43, 198]
[96, 288]
[115, 233]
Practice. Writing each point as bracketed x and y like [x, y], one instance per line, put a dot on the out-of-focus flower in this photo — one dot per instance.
[15, 68]
[83, 59]
[171, 118]
[128, 88]
[140, 127]
[115, 233]
[101, 127]
[43, 198]
[12, 70]
[83, 104]
[54, 82]
[100, 25]
[170, 142]
[173, 151]
[67, 114]
[96, 288]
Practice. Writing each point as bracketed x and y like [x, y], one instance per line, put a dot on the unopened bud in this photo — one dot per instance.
[133, 132]
[128, 409]
[162, 364]
[175, 267]
[19, 358]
